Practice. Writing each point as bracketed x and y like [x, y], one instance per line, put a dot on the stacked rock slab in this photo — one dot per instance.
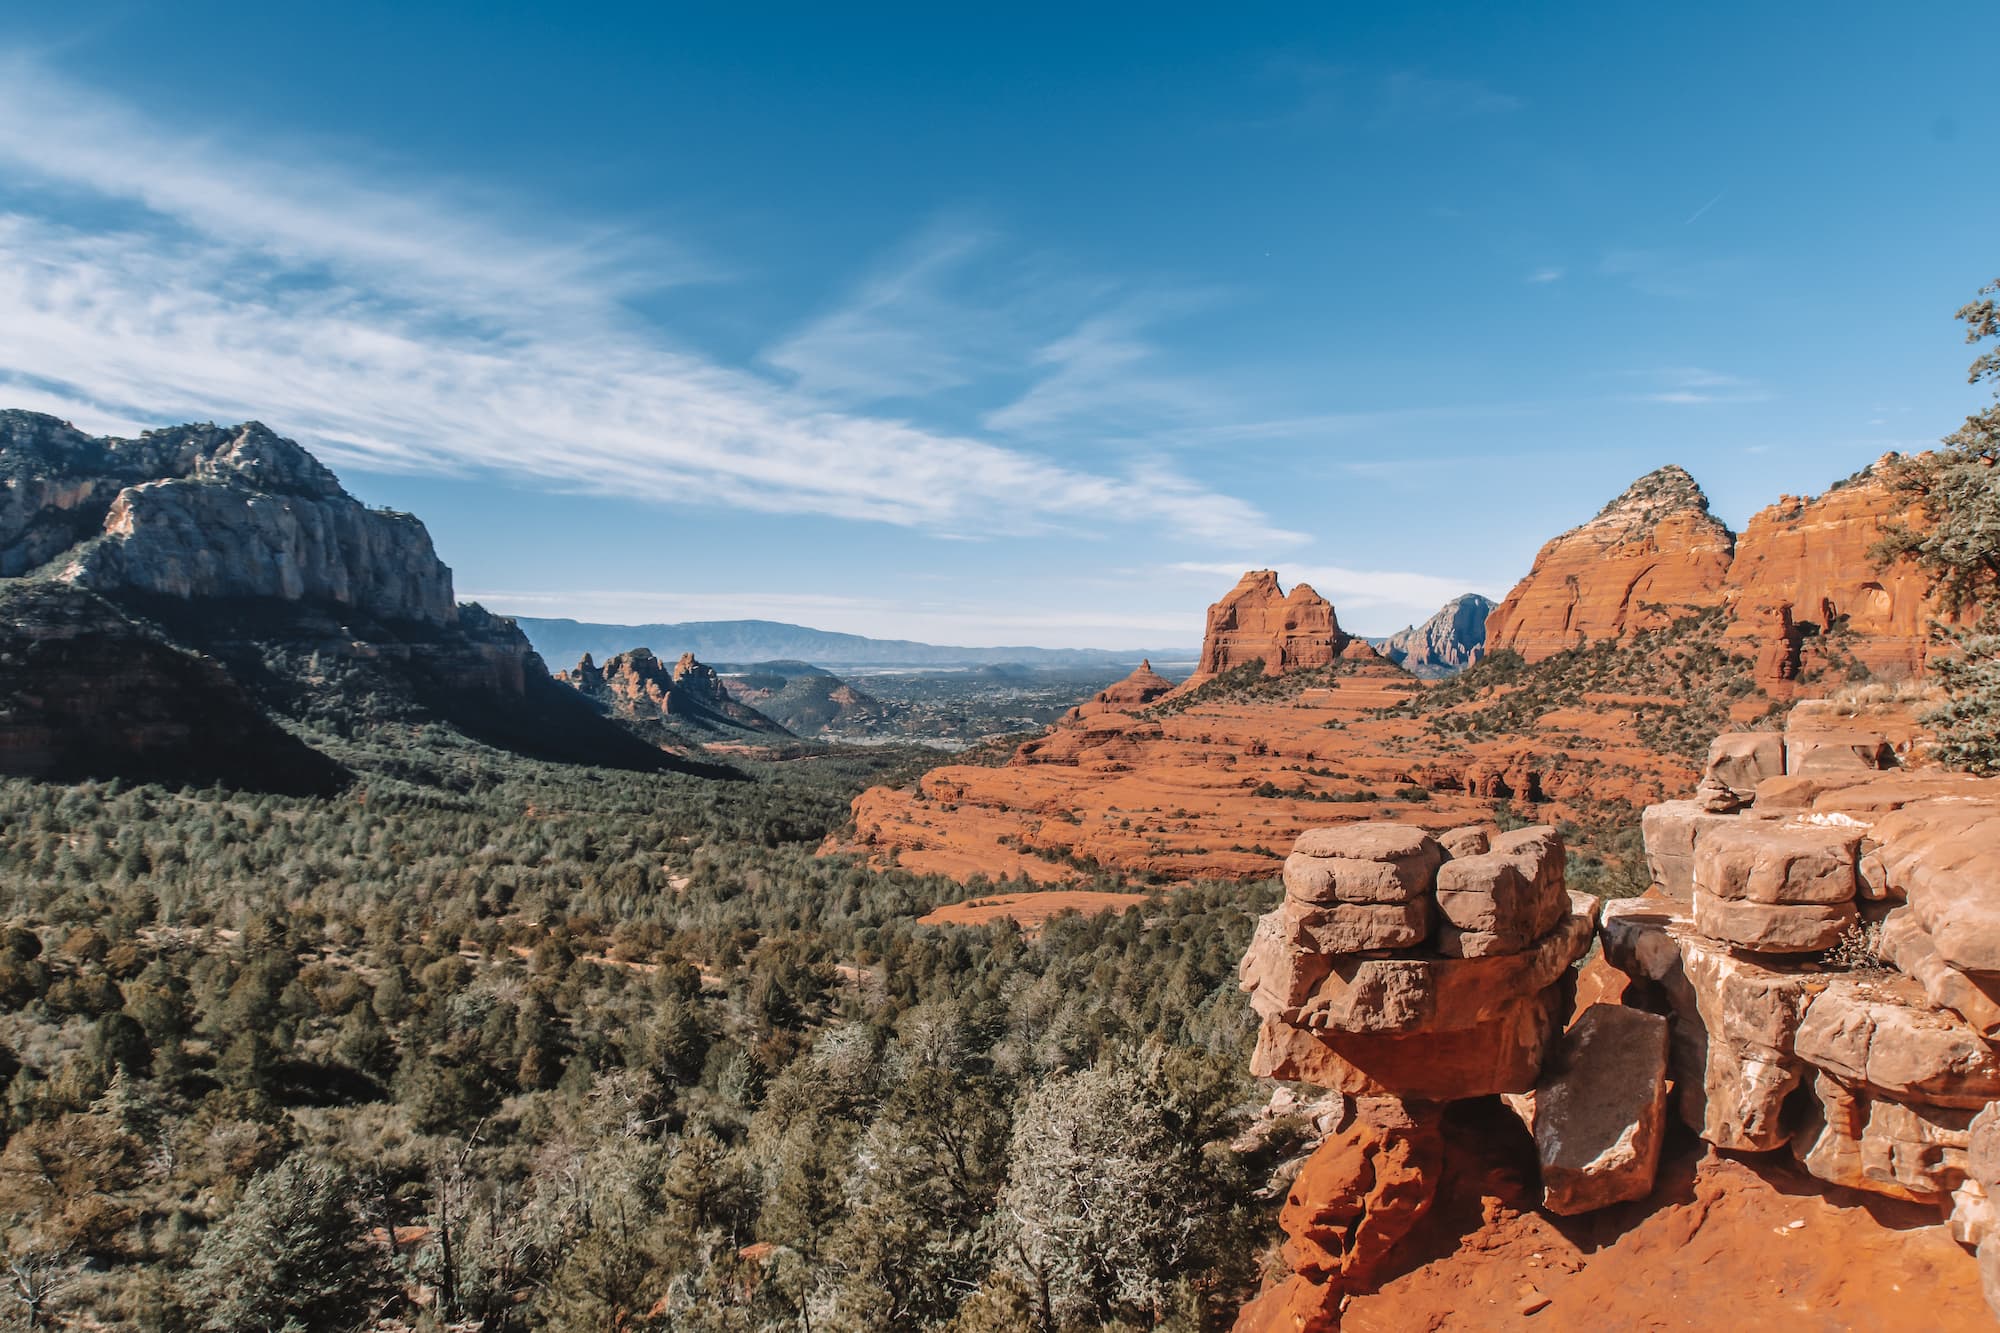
[1392, 971]
[1828, 955]
[1402, 970]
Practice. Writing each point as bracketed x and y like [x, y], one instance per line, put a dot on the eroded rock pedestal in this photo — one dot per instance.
[1404, 970]
[1392, 971]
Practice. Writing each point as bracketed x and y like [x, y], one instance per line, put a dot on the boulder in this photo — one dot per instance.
[1511, 895]
[1670, 830]
[1331, 879]
[1770, 927]
[1904, 943]
[1599, 1110]
[1776, 863]
[1883, 1037]
[1404, 844]
[1471, 840]
[1738, 761]
[1943, 856]
[1357, 927]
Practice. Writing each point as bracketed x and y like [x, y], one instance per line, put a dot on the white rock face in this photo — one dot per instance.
[200, 512]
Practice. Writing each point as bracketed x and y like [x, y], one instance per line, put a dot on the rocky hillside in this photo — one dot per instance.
[1447, 643]
[1797, 584]
[637, 687]
[1211, 779]
[810, 701]
[234, 549]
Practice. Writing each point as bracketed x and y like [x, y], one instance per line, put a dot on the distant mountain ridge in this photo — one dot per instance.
[1447, 643]
[564, 640]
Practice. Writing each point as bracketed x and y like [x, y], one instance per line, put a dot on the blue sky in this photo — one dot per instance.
[1030, 326]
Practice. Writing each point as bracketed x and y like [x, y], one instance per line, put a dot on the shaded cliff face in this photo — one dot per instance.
[1257, 621]
[85, 692]
[1797, 585]
[639, 687]
[1448, 642]
[1651, 555]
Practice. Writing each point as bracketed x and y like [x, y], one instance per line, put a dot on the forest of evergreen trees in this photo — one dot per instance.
[484, 1043]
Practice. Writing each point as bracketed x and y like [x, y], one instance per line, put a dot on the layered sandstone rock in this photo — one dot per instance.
[1807, 562]
[1871, 1060]
[1257, 621]
[1361, 990]
[1652, 554]
[1799, 587]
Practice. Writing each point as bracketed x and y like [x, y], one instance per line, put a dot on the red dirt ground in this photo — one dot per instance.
[1714, 1247]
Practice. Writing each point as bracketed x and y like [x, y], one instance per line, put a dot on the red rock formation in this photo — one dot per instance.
[1800, 571]
[638, 686]
[1805, 563]
[1258, 621]
[1651, 555]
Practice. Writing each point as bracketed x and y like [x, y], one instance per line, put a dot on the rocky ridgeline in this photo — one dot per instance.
[207, 511]
[1800, 570]
[639, 687]
[1816, 972]
[161, 592]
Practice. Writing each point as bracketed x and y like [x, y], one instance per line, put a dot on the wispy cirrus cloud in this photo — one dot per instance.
[953, 309]
[150, 273]
[1692, 386]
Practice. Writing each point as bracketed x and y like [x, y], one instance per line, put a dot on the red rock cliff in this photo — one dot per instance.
[1650, 556]
[1257, 620]
[1800, 570]
[1805, 562]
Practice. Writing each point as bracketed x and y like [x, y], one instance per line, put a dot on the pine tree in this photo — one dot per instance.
[288, 1258]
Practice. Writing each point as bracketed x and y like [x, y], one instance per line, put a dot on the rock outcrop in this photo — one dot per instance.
[208, 512]
[638, 687]
[1802, 571]
[1652, 554]
[1390, 971]
[1257, 621]
[1827, 956]
[1797, 588]
[236, 545]
[1447, 643]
